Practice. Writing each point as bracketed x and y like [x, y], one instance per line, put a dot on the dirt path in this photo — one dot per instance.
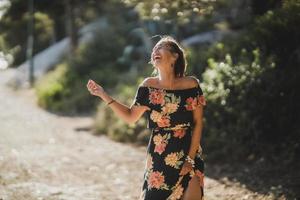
[45, 156]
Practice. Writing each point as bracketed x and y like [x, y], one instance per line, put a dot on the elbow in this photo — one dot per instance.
[130, 120]
[131, 123]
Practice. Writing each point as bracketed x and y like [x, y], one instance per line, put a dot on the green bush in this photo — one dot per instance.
[251, 85]
[55, 94]
[227, 85]
[49, 89]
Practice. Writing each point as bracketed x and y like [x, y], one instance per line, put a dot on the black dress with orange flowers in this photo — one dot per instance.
[170, 119]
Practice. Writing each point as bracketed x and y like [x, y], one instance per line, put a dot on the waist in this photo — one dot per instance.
[176, 127]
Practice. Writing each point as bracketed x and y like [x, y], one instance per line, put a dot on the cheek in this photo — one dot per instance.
[167, 57]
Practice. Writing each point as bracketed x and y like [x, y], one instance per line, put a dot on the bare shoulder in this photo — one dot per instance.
[149, 81]
[191, 81]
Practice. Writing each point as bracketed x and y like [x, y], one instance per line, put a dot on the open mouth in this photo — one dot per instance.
[156, 57]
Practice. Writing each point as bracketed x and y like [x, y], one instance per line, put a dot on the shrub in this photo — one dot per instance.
[251, 86]
[55, 94]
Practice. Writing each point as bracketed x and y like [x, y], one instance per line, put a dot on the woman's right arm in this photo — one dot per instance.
[128, 114]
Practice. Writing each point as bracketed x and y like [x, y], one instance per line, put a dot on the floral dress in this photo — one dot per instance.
[170, 119]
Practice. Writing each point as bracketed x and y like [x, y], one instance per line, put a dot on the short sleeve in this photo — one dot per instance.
[141, 97]
[200, 96]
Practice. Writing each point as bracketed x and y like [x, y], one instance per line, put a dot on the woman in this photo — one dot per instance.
[174, 104]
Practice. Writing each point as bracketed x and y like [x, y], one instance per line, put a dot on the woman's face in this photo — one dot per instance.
[161, 55]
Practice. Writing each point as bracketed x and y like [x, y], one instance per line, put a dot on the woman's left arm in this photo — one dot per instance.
[197, 131]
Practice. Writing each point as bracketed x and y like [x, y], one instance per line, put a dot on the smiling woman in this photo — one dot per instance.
[174, 105]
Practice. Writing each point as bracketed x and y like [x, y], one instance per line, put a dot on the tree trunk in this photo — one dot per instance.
[71, 28]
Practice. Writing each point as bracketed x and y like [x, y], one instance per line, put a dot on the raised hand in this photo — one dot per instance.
[94, 88]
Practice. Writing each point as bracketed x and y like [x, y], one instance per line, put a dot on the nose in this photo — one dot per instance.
[154, 52]
[156, 49]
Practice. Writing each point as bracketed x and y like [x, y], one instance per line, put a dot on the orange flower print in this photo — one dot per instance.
[177, 193]
[158, 139]
[160, 148]
[157, 96]
[201, 177]
[171, 103]
[155, 116]
[191, 103]
[170, 108]
[161, 120]
[173, 159]
[160, 143]
[164, 121]
[201, 100]
[156, 180]
[180, 133]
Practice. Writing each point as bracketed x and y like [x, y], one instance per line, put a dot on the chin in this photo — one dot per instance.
[157, 64]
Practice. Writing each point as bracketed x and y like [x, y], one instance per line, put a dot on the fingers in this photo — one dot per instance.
[91, 85]
[183, 172]
[185, 169]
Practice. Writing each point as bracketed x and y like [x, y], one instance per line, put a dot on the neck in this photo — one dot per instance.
[166, 77]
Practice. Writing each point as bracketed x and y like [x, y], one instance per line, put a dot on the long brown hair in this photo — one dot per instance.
[180, 63]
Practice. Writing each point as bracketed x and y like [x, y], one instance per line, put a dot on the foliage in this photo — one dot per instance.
[277, 32]
[67, 90]
[227, 86]
[100, 60]
[55, 94]
[180, 18]
[252, 96]
[168, 9]
[16, 39]
[50, 24]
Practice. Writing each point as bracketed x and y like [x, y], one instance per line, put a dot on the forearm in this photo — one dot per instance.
[196, 138]
[121, 110]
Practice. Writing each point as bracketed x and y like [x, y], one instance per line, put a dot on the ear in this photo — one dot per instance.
[175, 55]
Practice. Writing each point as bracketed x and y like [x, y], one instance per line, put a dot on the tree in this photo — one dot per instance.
[50, 23]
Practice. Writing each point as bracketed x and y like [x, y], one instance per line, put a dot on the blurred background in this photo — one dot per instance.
[245, 53]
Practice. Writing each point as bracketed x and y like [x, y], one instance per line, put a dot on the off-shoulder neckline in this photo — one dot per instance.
[169, 90]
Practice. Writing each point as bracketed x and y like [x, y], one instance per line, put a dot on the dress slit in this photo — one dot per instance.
[179, 182]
